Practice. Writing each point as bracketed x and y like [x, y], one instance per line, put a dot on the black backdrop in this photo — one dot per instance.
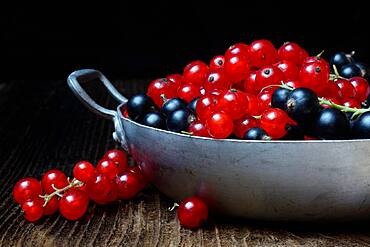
[132, 39]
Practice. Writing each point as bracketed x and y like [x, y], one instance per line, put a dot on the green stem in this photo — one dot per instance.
[355, 111]
[282, 85]
[58, 192]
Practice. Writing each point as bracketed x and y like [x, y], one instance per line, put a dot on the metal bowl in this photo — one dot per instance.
[269, 180]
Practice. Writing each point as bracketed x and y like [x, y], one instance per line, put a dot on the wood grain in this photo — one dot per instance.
[43, 126]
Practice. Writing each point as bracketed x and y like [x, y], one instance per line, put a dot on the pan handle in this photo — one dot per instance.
[85, 75]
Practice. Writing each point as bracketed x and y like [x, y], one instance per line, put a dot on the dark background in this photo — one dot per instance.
[147, 39]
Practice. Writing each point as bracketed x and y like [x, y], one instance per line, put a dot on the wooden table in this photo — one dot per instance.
[43, 126]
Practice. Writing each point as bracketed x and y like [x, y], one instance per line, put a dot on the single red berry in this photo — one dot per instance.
[206, 105]
[83, 171]
[292, 52]
[129, 185]
[73, 204]
[53, 177]
[332, 91]
[238, 48]
[261, 53]
[252, 108]
[269, 75]
[195, 73]
[192, 212]
[361, 87]
[52, 206]
[216, 79]
[217, 62]
[175, 81]
[220, 125]
[250, 85]
[275, 122]
[346, 88]
[188, 92]
[264, 98]
[119, 157]
[26, 188]
[333, 100]
[351, 103]
[101, 189]
[108, 168]
[315, 76]
[32, 209]
[197, 128]
[236, 67]
[233, 102]
[289, 69]
[160, 88]
[317, 60]
[243, 124]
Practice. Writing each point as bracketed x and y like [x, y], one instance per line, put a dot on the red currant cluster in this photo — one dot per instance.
[112, 179]
[274, 93]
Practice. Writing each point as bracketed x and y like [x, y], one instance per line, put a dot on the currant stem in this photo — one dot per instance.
[355, 111]
[282, 85]
[175, 205]
[58, 192]
[336, 74]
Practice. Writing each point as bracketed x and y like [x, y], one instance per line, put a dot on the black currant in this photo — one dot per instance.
[138, 106]
[294, 132]
[279, 98]
[302, 104]
[172, 105]
[180, 120]
[256, 134]
[155, 120]
[363, 68]
[350, 70]
[361, 127]
[192, 105]
[332, 124]
[340, 59]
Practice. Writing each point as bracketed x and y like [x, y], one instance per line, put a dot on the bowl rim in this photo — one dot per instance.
[235, 140]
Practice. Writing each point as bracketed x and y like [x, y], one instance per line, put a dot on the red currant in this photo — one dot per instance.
[250, 83]
[233, 102]
[361, 87]
[236, 67]
[205, 106]
[253, 108]
[188, 92]
[26, 188]
[243, 124]
[108, 168]
[83, 171]
[217, 62]
[53, 177]
[195, 73]
[129, 185]
[264, 99]
[316, 59]
[315, 76]
[119, 157]
[292, 52]
[289, 69]
[101, 189]
[292, 83]
[73, 204]
[197, 128]
[52, 206]
[216, 80]
[220, 125]
[269, 75]
[160, 88]
[175, 81]
[275, 121]
[332, 91]
[32, 209]
[238, 48]
[139, 174]
[351, 103]
[192, 212]
[262, 53]
[346, 88]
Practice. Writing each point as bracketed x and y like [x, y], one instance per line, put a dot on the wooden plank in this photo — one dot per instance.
[43, 126]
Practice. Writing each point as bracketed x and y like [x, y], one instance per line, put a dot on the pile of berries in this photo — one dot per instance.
[258, 92]
[112, 179]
